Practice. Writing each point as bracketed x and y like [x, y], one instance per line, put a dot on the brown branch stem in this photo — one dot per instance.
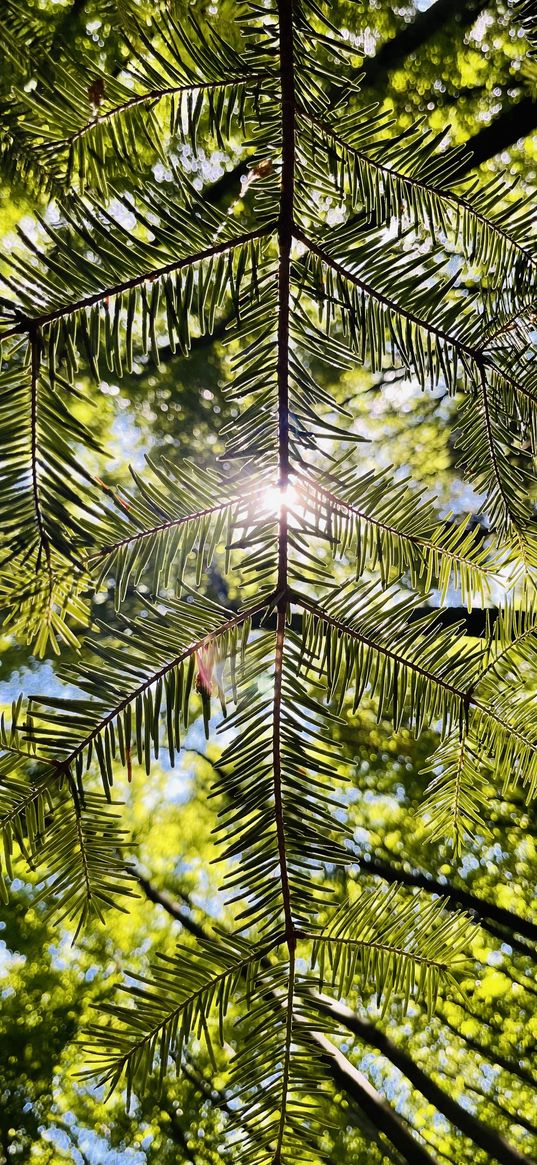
[44, 542]
[234, 621]
[156, 95]
[457, 200]
[27, 324]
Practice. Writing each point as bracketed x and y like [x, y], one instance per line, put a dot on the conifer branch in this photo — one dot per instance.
[338, 503]
[26, 324]
[155, 95]
[285, 240]
[29, 798]
[142, 535]
[475, 352]
[388, 652]
[373, 1035]
[44, 543]
[390, 304]
[113, 1068]
[466, 697]
[508, 324]
[198, 645]
[279, 817]
[412, 183]
[371, 944]
[528, 632]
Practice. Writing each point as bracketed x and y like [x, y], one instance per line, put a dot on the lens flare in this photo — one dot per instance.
[273, 499]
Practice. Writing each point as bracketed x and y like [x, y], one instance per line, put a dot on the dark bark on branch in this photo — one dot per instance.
[228, 184]
[517, 944]
[516, 122]
[343, 1073]
[491, 1054]
[472, 622]
[67, 24]
[520, 982]
[513, 1117]
[423, 28]
[481, 1134]
[455, 896]
[170, 905]
[373, 1105]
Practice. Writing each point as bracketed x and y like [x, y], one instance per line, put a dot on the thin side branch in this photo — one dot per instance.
[234, 621]
[156, 95]
[172, 524]
[474, 352]
[338, 503]
[467, 698]
[456, 200]
[344, 629]
[386, 302]
[27, 324]
[371, 945]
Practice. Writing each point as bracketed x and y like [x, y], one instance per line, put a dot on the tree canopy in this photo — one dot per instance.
[284, 741]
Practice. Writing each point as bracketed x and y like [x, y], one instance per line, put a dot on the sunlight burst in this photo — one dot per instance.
[273, 498]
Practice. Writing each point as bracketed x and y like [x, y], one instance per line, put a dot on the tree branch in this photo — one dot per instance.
[171, 524]
[467, 698]
[345, 629]
[426, 25]
[355, 1085]
[376, 1108]
[343, 1074]
[491, 1054]
[26, 324]
[476, 352]
[480, 1133]
[155, 95]
[285, 242]
[169, 904]
[384, 300]
[516, 122]
[407, 180]
[454, 896]
[340, 504]
[234, 621]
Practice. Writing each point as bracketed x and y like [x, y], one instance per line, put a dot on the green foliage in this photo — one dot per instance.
[348, 243]
[404, 947]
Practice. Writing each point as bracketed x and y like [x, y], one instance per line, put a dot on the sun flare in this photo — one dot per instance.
[273, 498]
